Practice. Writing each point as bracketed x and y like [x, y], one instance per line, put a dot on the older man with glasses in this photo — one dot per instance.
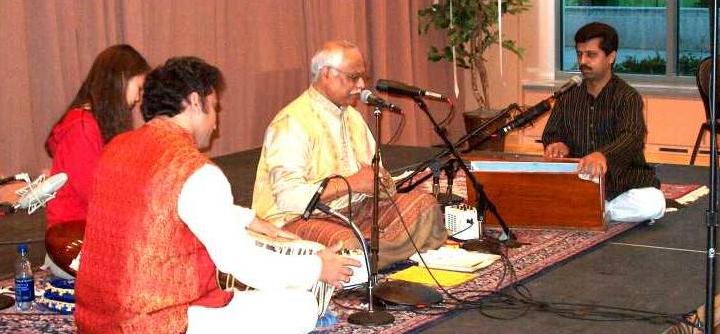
[320, 134]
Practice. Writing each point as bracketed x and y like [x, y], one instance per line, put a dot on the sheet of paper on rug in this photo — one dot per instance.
[693, 195]
[420, 275]
[455, 259]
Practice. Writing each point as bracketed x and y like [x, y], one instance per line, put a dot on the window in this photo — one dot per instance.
[657, 37]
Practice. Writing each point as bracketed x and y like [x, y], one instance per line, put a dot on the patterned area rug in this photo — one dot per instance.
[544, 249]
[684, 193]
[37, 320]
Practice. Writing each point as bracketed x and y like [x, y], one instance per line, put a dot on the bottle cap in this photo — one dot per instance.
[22, 248]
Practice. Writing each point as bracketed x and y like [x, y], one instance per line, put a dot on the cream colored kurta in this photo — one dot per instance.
[307, 141]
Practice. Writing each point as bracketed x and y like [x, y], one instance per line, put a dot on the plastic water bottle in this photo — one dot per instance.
[24, 281]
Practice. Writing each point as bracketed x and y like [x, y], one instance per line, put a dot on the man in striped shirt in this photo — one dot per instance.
[601, 122]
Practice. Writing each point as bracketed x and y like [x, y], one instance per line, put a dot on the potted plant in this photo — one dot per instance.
[474, 29]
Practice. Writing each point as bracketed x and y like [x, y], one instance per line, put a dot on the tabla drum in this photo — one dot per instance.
[63, 242]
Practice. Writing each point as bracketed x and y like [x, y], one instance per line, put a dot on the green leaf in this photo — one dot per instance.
[434, 55]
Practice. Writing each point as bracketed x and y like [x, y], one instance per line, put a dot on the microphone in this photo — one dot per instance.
[314, 201]
[541, 107]
[399, 88]
[576, 80]
[36, 194]
[367, 97]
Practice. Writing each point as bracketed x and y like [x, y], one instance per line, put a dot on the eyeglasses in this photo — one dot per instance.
[355, 77]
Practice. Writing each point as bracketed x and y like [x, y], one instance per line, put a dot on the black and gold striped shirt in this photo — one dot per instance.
[612, 124]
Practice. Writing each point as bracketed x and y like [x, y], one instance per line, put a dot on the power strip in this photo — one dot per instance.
[461, 222]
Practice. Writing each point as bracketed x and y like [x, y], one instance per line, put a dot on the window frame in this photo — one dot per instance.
[667, 82]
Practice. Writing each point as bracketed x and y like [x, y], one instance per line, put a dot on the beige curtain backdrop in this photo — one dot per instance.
[262, 47]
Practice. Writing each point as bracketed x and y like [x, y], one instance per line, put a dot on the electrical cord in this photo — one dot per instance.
[450, 115]
[398, 130]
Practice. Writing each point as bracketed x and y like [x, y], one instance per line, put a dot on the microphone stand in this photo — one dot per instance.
[482, 202]
[371, 317]
[397, 292]
[711, 212]
[460, 141]
[448, 198]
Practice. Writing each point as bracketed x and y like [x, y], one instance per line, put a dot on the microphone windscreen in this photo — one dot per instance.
[39, 194]
[365, 96]
[578, 79]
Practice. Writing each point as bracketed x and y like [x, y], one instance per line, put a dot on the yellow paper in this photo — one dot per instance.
[420, 275]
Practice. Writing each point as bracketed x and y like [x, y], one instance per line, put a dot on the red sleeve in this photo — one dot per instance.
[79, 152]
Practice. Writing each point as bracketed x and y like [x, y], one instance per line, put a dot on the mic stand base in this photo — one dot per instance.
[445, 200]
[485, 245]
[407, 293]
[371, 318]
[490, 245]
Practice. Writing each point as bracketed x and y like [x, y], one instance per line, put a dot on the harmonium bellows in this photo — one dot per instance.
[533, 192]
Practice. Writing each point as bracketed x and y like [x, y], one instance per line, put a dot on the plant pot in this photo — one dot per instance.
[479, 117]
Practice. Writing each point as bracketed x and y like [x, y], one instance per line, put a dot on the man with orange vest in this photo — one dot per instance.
[161, 220]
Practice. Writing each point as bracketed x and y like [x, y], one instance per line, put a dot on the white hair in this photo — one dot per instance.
[331, 55]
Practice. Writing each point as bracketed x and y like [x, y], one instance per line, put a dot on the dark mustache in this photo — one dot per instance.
[585, 67]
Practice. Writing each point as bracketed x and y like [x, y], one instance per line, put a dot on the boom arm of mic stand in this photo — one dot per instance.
[484, 126]
[444, 152]
[483, 202]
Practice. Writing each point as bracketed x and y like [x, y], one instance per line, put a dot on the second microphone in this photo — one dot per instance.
[367, 97]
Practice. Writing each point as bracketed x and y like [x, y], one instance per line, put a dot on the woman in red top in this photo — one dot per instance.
[101, 109]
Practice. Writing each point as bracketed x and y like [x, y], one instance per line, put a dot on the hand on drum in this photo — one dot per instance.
[336, 269]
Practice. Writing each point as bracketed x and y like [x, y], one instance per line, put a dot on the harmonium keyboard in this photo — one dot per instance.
[534, 192]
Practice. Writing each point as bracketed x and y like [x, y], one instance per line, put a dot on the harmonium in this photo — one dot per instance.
[534, 192]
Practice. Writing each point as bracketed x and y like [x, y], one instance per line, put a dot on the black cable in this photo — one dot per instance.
[449, 117]
[349, 194]
[398, 130]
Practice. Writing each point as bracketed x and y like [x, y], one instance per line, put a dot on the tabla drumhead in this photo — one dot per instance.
[63, 242]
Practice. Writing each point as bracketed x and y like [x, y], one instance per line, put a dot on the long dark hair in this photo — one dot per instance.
[104, 88]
